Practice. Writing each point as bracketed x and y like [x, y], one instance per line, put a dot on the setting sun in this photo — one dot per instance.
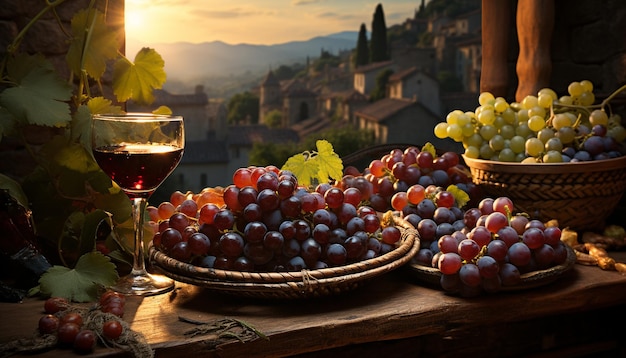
[134, 20]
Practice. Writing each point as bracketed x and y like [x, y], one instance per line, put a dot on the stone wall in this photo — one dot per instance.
[48, 38]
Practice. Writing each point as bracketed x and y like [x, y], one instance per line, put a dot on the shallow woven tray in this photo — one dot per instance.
[296, 284]
[579, 195]
[529, 280]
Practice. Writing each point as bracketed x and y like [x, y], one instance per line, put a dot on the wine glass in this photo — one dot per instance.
[138, 151]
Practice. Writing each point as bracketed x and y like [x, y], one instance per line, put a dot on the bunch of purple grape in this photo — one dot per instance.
[401, 169]
[270, 223]
[489, 248]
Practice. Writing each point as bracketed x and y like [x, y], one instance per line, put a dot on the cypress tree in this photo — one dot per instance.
[362, 50]
[378, 49]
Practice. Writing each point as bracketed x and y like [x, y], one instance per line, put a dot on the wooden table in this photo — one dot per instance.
[583, 311]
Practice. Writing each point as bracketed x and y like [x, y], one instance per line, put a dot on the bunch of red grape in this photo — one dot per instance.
[270, 223]
[74, 329]
[398, 173]
[490, 248]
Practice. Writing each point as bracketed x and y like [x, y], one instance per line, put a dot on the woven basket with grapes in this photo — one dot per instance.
[560, 158]
[273, 235]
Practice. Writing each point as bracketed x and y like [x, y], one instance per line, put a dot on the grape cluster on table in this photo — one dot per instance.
[492, 250]
[76, 329]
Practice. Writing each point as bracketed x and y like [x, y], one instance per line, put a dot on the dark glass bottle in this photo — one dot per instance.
[18, 241]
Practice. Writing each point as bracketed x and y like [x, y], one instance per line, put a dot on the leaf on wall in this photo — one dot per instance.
[39, 95]
[137, 80]
[93, 43]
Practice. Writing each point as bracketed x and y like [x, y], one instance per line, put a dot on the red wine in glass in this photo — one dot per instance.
[138, 169]
[138, 151]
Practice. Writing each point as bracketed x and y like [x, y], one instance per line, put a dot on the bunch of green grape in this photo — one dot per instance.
[539, 129]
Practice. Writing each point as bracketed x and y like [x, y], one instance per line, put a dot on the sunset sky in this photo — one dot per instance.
[264, 22]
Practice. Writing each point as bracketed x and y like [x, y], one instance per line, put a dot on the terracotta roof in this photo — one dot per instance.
[356, 96]
[316, 124]
[402, 74]
[347, 96]
[408, 72]
[372, 66]
[384, 108]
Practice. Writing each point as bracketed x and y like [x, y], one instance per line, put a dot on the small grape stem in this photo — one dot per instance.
[601, 105]
[606, 101]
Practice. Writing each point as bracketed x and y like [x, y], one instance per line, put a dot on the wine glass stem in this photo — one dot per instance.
[139, 208]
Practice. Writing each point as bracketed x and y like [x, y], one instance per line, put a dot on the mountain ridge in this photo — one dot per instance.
[186, 61]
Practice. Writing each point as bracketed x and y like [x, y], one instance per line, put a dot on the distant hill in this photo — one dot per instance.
[187, 61]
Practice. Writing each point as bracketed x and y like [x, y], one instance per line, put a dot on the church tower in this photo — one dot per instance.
[270, 97]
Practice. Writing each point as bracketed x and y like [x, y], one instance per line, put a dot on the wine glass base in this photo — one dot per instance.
[143, 284]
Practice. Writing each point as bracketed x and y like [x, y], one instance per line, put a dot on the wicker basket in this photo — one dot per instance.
[579, 195]
[296, 284]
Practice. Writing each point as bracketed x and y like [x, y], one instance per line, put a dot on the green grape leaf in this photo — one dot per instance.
[51, 209]
[117, 204]
[102, 183]
[460, 196]
[429, 147]
[165, 110]
[101, 105]
[81, 283]
[15, 190]
[124, 235]
[305, 169]
[318, 166]
[69, 240]
[71, 183]
[329, 163]
[81, 127]
[137, 80]
[40, 94]
[91, 52]
[66, 154]
[89, 232]
[7, 123]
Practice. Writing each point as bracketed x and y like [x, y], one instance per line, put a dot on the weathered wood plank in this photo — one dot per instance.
[388, 308]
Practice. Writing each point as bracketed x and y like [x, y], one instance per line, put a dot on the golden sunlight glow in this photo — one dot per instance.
[134, 20]
[151, 22]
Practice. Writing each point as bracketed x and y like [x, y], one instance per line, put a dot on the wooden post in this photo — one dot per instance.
[535, 23]
[496, 24]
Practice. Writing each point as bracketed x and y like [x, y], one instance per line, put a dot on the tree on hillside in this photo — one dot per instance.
[378, 43]
[326, 59]
[273, 119]
[243, 108]
[270, 153]
[450, 7]
[284, 72]
[380, 91]
[344, 140]
[362, 57]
